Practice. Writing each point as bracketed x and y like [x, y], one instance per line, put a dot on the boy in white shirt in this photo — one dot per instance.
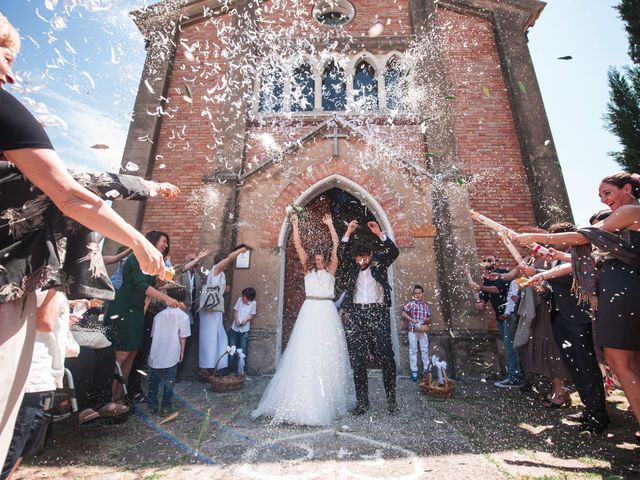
[168, 336]
[243, 313]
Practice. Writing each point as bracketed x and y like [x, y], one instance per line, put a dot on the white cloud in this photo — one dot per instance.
[86, 126]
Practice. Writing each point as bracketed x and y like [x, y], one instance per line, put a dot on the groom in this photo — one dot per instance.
[366, 301]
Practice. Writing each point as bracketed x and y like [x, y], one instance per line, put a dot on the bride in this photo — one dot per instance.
[313, 383]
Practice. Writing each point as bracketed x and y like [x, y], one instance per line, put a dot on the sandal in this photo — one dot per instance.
[88, 416]
[551, 404]
[113, 409]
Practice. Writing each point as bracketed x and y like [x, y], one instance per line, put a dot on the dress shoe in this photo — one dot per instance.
[360, 409]
[578, 417]
[593, 426]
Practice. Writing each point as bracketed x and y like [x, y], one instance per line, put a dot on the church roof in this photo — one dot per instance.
[155, 15]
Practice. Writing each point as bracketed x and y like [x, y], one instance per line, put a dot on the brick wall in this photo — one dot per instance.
[485, 132]
[185, 146]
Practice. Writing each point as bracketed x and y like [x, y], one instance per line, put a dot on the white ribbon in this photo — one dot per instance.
[241, 357]
[440, 365]
[231, 350]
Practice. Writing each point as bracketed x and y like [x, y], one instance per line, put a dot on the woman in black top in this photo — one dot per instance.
[36, 194]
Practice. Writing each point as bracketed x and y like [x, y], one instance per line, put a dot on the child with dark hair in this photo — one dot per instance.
[243, 312]
[417, 315]
[168, 336]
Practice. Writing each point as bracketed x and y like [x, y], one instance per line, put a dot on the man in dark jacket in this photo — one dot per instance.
[572, 332]
[367, 298]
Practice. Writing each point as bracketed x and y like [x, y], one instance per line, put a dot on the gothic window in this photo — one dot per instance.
[334, 88]
[333, 13]
[365, 87]
[271, 91]
[395, 84]
[302, 89]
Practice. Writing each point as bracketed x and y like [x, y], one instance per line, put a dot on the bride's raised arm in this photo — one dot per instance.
[333, 263]
[297, 243]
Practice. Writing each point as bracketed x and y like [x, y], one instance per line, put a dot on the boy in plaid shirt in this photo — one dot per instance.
[417, 312]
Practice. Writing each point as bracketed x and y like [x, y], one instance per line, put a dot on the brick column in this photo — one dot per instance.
[544, 174]
[455, 241]
[157, 73]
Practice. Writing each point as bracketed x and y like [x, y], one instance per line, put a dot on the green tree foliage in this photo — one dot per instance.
[629, 11]
[623, 116]
[623, 110]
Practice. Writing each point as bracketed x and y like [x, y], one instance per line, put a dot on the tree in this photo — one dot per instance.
[629, 11]
[623, 110]
[623, 116]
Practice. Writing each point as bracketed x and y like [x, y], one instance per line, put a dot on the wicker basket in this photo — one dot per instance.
[432, 388]
[227, 383]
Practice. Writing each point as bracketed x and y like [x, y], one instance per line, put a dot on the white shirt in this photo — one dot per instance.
[169, 326]
[368, 290]
[243, 310]
[47, 362]
[513, 292]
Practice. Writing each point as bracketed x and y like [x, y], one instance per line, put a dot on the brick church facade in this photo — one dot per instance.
[409, 112]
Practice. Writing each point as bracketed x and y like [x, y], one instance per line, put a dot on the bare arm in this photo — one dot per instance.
[183, 341]
[163, 297]
[333, 264]
[625, 217]
[297, 243]
[45, 170]
[565, 238]
[111, 259]
[203, 253]
[246, 320]
[47, 312]
[407, 317]
[225, 262]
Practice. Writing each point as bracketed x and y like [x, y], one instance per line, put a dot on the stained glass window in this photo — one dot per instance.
[271, 91]
[334, 88]
[365, 87]
[302, 89]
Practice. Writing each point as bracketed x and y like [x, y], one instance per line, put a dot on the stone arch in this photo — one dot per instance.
[323, 177]
[302, 198]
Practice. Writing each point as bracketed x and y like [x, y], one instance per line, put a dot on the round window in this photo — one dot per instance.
[333, 13]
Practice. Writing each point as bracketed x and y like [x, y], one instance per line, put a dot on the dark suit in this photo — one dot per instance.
[192, 302]
[572, 332]
[369, 324]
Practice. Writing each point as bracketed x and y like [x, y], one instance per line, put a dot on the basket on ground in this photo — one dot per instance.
[440, 390]
[226, 383]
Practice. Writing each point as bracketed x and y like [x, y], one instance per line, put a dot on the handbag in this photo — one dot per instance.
[211, 299]
[90, 338]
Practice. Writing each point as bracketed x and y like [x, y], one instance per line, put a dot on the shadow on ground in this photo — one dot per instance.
[482, 432]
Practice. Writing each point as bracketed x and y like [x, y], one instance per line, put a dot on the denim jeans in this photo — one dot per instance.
[166, 376]
[241, 342]
[507, 329]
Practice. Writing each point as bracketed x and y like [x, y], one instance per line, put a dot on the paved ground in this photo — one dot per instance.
[481, 433]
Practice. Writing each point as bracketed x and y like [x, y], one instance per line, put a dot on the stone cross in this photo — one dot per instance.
[335, 135]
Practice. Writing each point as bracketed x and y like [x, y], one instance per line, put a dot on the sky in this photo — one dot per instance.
[81, 60]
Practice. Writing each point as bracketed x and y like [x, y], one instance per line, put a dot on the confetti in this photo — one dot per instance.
[376, 30]
[131, 167]
[566, 57]
[99, 146]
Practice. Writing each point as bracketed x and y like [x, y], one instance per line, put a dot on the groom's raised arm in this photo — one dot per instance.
[346, 239]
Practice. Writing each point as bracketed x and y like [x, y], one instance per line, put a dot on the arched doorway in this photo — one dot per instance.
[343, 207]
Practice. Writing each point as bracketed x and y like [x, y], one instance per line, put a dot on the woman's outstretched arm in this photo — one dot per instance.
[333, 263]
[297, 243]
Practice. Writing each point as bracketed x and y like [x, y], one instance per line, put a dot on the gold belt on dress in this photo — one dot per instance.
[319, 298]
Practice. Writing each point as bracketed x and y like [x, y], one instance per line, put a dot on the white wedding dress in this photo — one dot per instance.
[313, 383]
